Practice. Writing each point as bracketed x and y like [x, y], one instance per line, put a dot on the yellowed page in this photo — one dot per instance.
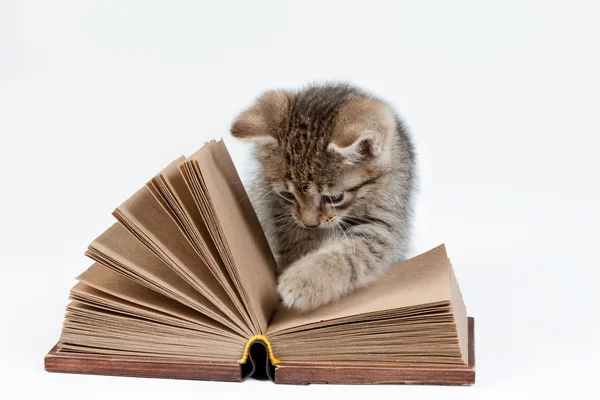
[105, 280]
[411, 315]
[235, 229]
[93, 330]
[171, 191]
[419, 281]
[143, 215]
[459, 312]
[118, 249]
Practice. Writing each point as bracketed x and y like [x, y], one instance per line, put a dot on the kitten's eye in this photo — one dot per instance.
[288, 196]
[333, 199]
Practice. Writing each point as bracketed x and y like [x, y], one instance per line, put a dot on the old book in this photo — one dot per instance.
[183, 286]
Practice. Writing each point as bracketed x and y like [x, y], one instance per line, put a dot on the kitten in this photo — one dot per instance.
[334, 190]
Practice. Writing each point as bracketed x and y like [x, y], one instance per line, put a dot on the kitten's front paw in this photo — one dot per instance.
[313, 281]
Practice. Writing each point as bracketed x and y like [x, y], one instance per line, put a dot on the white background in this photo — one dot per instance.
[502, 99]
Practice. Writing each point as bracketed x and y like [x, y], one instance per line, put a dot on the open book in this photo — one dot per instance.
[183, 285]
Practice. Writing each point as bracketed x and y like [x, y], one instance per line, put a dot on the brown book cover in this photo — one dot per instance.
[183, 286]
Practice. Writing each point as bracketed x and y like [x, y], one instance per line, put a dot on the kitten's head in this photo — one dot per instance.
[323, 149]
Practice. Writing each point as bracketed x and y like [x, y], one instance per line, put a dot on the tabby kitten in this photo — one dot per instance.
[334, 190]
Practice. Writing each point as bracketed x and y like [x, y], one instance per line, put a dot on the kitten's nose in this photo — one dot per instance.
[310, 226]
[309, 219]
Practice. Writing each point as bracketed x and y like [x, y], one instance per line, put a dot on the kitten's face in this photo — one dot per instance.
[318, 191]
[322, 150]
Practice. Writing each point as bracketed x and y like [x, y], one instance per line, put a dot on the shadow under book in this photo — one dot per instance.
[183, 286]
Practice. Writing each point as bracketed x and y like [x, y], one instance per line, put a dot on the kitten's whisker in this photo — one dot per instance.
[291, 224]
[242, 199]
[364, 237]
[349, 238]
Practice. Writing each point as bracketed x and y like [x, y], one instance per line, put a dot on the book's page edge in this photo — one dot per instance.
[296, 373]
[459, 312]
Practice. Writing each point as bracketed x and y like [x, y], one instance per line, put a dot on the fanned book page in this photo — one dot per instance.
[183, 285]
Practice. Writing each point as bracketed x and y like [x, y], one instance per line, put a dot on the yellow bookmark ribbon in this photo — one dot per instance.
[253, 339]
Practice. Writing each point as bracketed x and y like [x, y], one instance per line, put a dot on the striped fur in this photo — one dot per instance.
[325, 141]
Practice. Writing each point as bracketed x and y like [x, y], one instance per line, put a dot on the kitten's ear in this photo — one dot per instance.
[364, 130]
[367, 144]
[261, 121]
